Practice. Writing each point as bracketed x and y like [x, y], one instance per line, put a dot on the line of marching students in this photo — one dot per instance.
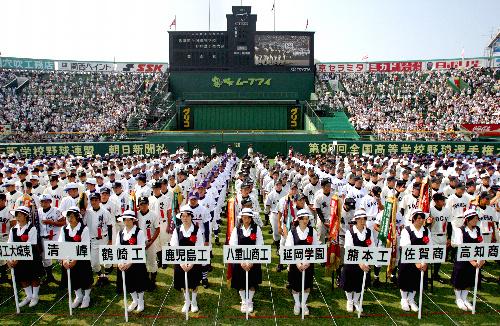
[152, 202]
[178, 201]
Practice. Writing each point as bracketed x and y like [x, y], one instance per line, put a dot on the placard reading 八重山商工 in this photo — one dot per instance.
[367, 255]
[122, 254]
[185, 255]
[478, 251]
[66, 250]
[423, 254]
[16, 251]
[303, 254]
[247, 254]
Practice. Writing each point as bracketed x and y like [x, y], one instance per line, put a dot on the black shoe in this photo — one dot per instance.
[99, 281]
[210, 268]
[394, 279]
[4, 279]
[280, 268]
[438, 278]
[204, 282]
[270, 231]
[164, 266]
[376, 282]
[287, 285]
[217, 242]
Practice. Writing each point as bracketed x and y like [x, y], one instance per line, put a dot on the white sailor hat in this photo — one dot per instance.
[72, 209]
[246, 212]
[127, 214]
[21, 209]
[303, 213]
[360, 213]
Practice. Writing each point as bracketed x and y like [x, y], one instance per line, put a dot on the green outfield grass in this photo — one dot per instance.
[273, 303]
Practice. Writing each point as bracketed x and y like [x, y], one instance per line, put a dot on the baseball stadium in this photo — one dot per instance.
[242, 181]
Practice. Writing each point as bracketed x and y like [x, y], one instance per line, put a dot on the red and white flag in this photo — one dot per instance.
[173, 23]
[365, 57]
[307, 23]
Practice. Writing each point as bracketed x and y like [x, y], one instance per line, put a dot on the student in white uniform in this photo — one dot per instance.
[438, 221]
[6, 223]
[148, 222]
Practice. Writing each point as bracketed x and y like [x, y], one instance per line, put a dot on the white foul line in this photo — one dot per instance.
[327, 306]
[220, 293]
[441, 310]
[271, 291]
[163, 302]
[95, 321]
[49, 309]
[378, 301]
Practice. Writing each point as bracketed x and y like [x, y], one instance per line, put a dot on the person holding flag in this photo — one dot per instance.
[177, 200]
[286, 216]
[351, 279]
[322, 205]
[6, 223]
[463, 275]
[160, 204]
[81, 270]
[301, 234]
[136, 274]
[409, 273]
[247, 232]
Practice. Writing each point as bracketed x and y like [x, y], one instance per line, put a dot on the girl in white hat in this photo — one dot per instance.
[27, 272]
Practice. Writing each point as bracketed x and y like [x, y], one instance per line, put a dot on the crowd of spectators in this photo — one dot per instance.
[414, 105]
[67, 106]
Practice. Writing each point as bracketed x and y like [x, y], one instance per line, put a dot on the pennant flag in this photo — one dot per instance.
[272, 9]
[365, 57]
[457, 84]
[393, 239]
[173, 23]
[230, 225]
[383, 233]
[333, 253]
[424, 200]
[307, 23]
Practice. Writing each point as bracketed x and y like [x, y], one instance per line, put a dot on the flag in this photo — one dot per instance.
[173, 23]
[272, 9]
[392, 239]
[424, 200]
[457, 84]
[385, 223]
[333, 253]
[365, 57]
[307, 23]
[230, 226]
[132, 205]
[289, 213]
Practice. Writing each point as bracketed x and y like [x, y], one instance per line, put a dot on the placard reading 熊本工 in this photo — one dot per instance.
[367, 255]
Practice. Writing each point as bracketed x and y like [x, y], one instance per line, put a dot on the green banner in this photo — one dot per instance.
[26, 63]
[386, 221]
[388, 147]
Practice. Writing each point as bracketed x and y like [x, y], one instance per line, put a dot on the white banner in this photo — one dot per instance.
[85, 66]
[141, 67]
[247, 254]
[423, 254]
[185, 255]
[16, 251]
[122, 254]
[66, 250]
[303, 254]
[367, 255]
[478, 251]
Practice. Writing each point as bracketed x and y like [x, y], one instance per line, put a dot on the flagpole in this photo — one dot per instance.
[209, 15]
[274, 15]
[175, 20]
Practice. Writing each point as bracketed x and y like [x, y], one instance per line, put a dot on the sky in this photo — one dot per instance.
[345, 30]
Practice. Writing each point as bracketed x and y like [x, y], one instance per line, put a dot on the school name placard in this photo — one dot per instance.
[303, 254]
[185, 255]
[423, 254]
[478, 251]
[247, 254]
[367, 255]
[122, 254]
[16, 251]
[66, 250]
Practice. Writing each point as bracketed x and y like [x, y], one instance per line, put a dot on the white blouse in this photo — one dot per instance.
[233, 240]
[302, 236]
[405, 236]
[72, 232]
[141, 240]
[457, 237]
[32, 234]
[349, 242]
[200, 239]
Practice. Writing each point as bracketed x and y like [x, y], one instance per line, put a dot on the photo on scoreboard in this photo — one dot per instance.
[274, 49]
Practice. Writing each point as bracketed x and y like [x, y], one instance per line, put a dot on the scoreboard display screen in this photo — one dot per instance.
[241, 48]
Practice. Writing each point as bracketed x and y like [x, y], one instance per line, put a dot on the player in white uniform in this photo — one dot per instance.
[438, 221]
[161, 204]
[271, 206]
[6, 222]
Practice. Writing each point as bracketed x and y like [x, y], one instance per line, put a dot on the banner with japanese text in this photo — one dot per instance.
[87, 66]
[26, 63]
[483, 129]
[141, 67]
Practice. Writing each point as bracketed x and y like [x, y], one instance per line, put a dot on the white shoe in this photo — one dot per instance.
[85, 302]
[404, 305]
[34, 301]
[132, 306]
[243, 307]
[460, 303]
[25, 302]
[76, 302]
[350, 306]
[468, 304]
[358, 307]
[185, 308]
[296, 309]
[250, 307]
[306, 311]
[194, 306]
[413, 305]
[140, 305]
